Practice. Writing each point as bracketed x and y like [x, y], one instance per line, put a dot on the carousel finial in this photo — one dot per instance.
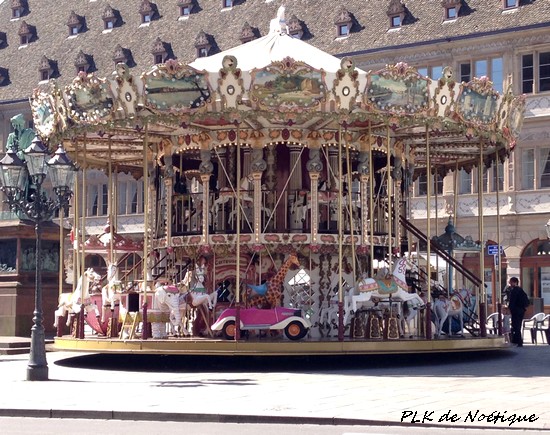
[278, 25]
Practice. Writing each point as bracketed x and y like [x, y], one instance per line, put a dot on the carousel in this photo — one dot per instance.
[276, 183]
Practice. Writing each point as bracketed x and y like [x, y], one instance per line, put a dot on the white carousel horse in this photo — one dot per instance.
[328, 316]
[111, 293]
[445, 309]
[197, 293]
[72, 302]
[169, 299]
[384, 289]
[410, 313]
[302, 202]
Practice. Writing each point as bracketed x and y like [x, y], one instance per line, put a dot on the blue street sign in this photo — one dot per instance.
[493, 250]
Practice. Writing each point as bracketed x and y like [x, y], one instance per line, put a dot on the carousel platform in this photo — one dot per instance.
[277, 347]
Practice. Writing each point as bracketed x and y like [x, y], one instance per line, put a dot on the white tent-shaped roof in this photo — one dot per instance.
[275, 47]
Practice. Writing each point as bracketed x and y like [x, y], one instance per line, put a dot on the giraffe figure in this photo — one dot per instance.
[272, 297]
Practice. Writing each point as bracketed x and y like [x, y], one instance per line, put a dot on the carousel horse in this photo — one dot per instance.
[111, 293]
[72, 302]
[410, 313]
[394, 289]
[328, 316]
[303, 200]
[169, 299]
[446, 309]
[198, 296]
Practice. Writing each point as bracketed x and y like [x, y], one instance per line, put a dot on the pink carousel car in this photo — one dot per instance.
[288, 319]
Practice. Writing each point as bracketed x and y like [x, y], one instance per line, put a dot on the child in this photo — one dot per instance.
[506, 324]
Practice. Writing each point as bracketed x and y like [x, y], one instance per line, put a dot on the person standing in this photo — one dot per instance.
[517, 303]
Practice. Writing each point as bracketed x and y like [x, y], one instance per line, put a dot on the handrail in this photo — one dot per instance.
[440, 251]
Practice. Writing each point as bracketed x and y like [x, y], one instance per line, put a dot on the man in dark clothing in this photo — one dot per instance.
[517, 303]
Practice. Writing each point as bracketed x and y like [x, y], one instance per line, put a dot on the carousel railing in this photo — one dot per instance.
[187, 216]
[436, 248]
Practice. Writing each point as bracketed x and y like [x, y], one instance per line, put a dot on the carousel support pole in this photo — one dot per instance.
[428, 245]
[258, 206]
[389, 194]
[80, 324]
[314, 166]
[238, 261]
[84, 210]
[205, 180]
[146, 198]
[371, 202]
[498, 267]
[482, 293]
[340, 242]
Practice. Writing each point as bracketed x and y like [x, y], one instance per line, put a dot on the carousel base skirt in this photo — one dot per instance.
[276, 347]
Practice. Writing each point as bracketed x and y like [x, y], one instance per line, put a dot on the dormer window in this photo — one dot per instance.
[75, 24]
[452, 7]
[295, 27]
[343, 23]
[395, 21]
[396, 13]
[159, 51]
[227, 3]
[18, 8]
[25, 33]
[121, 55]
[185, 7]
[147, 11]
[248, 33]
[202, 44]
[109, 18]
[510, 4]
[45, 69]
[82, 62]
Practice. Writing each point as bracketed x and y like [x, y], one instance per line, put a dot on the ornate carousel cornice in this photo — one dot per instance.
[286, 101]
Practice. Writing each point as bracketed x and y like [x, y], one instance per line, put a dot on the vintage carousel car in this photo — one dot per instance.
[276, 163]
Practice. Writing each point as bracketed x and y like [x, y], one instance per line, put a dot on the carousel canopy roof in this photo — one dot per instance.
[272, 90]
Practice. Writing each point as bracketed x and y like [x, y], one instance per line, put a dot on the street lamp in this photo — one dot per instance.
[39, 209]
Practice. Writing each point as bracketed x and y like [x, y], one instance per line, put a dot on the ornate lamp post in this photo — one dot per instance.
[39, 209]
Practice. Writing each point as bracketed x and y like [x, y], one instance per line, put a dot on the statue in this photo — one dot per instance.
[20, 138]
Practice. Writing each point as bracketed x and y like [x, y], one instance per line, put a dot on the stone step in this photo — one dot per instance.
[17, 345]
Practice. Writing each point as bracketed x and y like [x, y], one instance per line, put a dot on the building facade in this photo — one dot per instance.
[502, 39]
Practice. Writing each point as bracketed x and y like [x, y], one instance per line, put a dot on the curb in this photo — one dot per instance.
[242, 419]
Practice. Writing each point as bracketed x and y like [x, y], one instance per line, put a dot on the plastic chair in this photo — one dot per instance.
[531, 323]
[542, 326]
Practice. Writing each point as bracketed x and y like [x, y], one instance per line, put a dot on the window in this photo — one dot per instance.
[16, 13]
[544, 167]
[44, 75]
[528, 169]
[146, 18]
[464, 182]
[423, 185]
[24, 39]
[185, 11]
[433, 72]
[130, 197]
[73, 30]
[227, 3]
[395, 21]
[343, 30]
[159, 58]
[202, 52]
[535, 73]
[508, 4]
[492, 68]
[97, 200]
[109, 24]
[450, 13]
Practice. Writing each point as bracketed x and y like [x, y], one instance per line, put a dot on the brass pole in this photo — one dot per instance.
[482, 293]
[389, 192]
[84, 209]
[238, 259]
[428, 241]
[371, 202]
[340, 240]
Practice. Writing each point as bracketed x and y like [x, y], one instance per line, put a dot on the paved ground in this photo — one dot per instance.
[470, 390]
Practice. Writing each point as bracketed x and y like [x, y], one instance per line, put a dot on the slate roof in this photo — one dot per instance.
[49, 19]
